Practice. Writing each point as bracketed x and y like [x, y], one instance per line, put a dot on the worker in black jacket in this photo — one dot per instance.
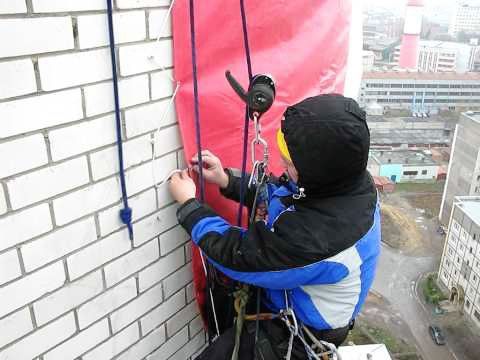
[319, 244]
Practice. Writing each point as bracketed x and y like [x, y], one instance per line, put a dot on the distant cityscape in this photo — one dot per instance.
[421, 92]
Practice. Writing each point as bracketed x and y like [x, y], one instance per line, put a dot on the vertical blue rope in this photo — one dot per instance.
[246, 122]
[196, 102]
[126, 212]
[199, 154]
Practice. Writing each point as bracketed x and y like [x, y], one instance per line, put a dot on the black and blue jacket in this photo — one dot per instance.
[323, 248]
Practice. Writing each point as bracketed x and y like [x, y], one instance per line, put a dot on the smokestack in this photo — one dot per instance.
[411, 35]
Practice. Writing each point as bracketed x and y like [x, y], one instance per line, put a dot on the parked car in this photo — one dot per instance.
[436, 334]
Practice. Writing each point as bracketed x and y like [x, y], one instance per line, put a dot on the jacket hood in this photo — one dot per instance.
[328, 140]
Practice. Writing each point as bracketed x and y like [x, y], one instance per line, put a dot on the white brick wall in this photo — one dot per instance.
[93, 29]
[72, 283]
[12, 6]
[18, 78]
[27, 36]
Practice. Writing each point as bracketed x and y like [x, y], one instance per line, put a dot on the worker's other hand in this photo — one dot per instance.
[182, 187]
[212, 169]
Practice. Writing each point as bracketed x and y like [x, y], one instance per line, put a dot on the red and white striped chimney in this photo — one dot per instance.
[411, 35]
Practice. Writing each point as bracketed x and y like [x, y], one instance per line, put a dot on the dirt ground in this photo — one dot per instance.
[410, 223]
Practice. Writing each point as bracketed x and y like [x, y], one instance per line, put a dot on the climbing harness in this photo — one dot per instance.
[126, 212]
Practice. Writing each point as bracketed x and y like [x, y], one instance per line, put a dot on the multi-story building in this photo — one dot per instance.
[460, 265]
[403, 165]
[368, 58]
[463, 177]
[421, 92]
[466, 18]
[440, 56]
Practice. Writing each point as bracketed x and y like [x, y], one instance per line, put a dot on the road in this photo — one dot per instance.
[395, 280]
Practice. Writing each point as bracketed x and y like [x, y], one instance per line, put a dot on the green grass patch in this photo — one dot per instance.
[431, 291]
[358, 337]
[431, 187]
[393, 344]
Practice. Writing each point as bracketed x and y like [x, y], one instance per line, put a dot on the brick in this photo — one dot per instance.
[188, 253]
[171, 346]
[131, 263]
[86, 201]
[3, 201]
[61, 71]
[181, 318]
[58, 31]
[68, 297]
[9, 266]
[163, 267]
[22, 154]
[146, 118]
[105, 162]
[158, 315]
[80, 343]
[18, 78]
[82, 137]
[195, 326]
[42, 6]
[182, 163]
[131, 91]
[45, 183]
[191, 348]
[93, 29]
[150, 227]
[47, 110]
[106, 303]
[162, 85]
[98, 254]
[127, 4]
[141, 177]
[145, 346]
[24, 225]
[190, 289]
[58, 244]
[41, 340]
[167, 140]
[177, 280]
[172, 239]
[156, 19]
[31, 287]
[135, 59]
[142, 204]
[115, 345]
[15, 326]
[135, 309]
[13, 7]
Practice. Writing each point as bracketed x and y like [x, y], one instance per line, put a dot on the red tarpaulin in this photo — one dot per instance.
[308, 46]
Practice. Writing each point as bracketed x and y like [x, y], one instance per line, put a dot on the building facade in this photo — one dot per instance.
[466, 18]
[463, 177]
[421, 92]
[459, 268]
[403, 165]
[441, 56]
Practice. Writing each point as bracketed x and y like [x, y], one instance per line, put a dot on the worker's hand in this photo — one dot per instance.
[182, 187]
[212, 169]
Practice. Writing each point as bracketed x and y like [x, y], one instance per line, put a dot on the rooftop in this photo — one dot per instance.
[403, 157]
[414, 75]
[470, 205]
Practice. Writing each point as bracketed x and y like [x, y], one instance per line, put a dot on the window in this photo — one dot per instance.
[424, 172]
[410, 173]
[471, 250]
[474, 277]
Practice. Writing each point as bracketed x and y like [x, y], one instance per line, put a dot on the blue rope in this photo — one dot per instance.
[200, 161]
[246, 122]
[196, 103]
[126, 212]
